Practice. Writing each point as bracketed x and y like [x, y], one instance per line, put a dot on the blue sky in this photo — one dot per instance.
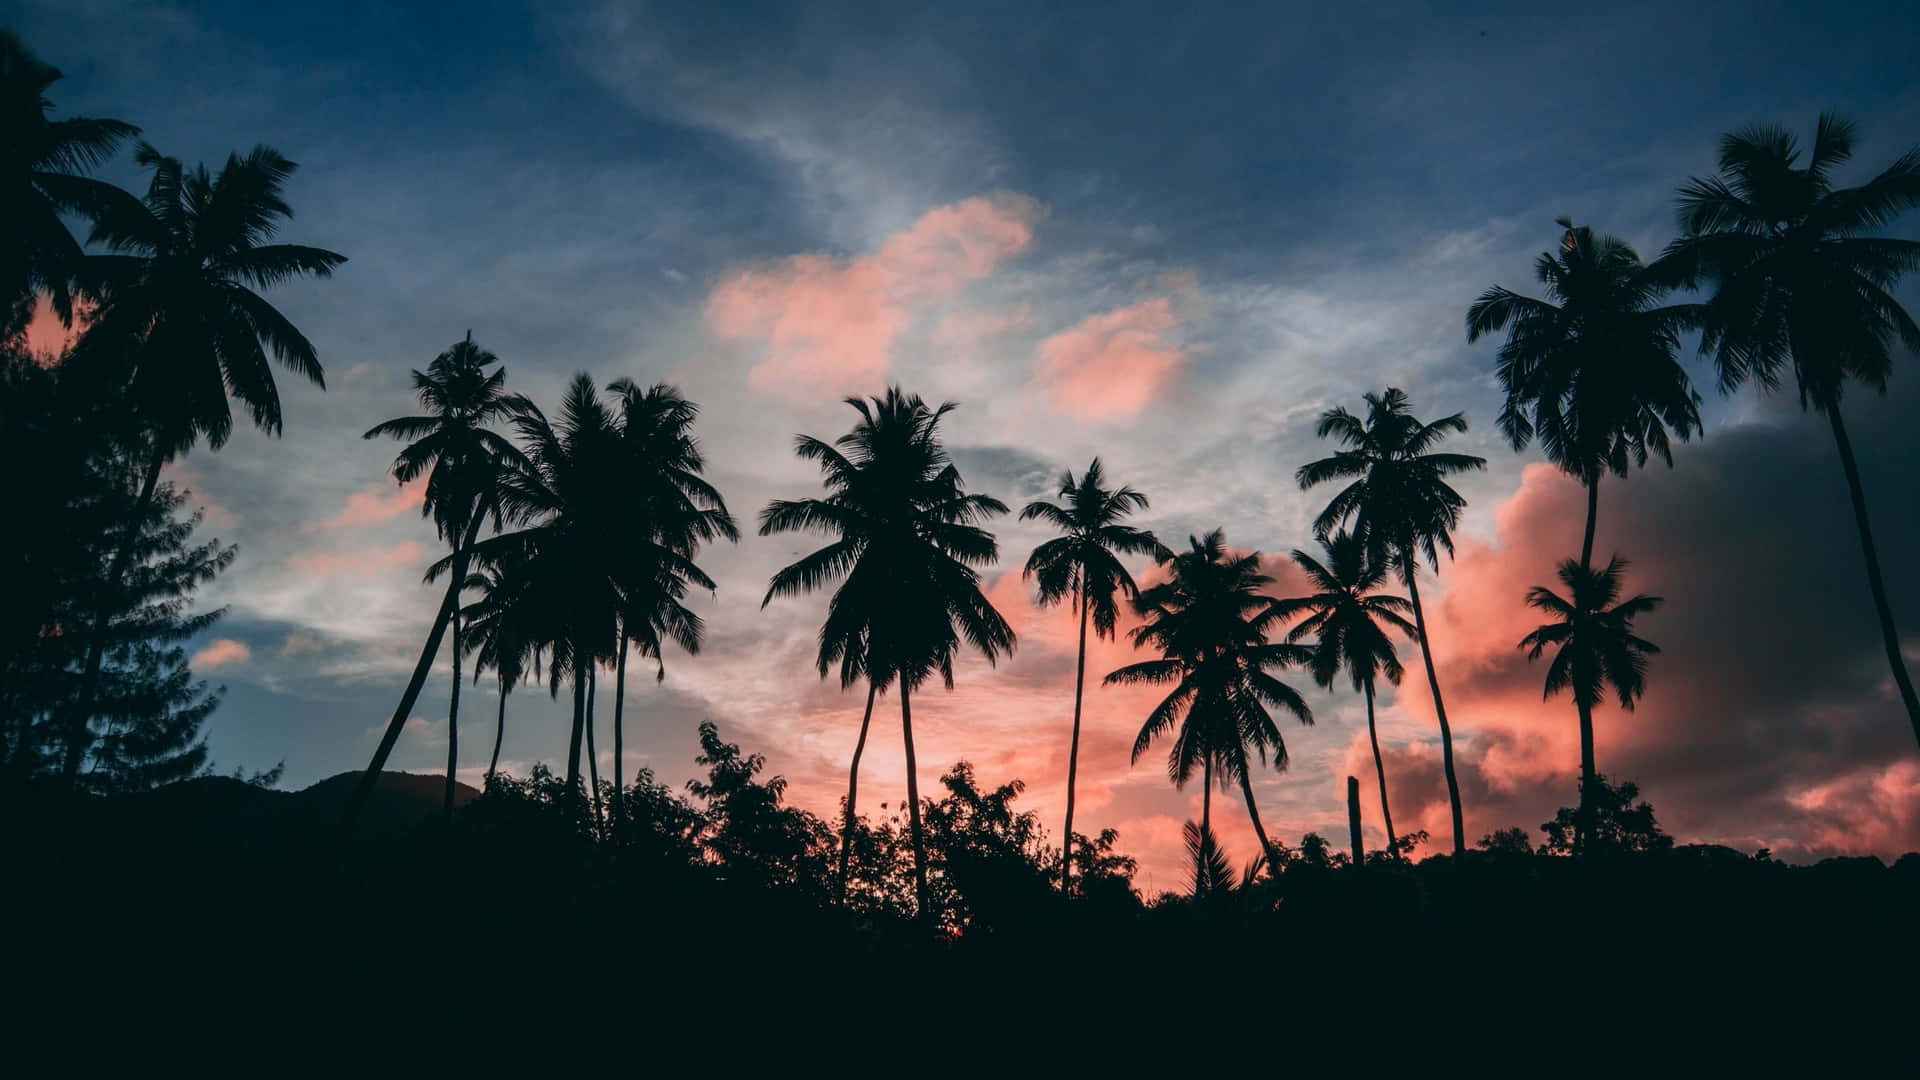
[1276, 207]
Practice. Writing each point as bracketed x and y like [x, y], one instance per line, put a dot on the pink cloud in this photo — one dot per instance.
[220, 652]
[358, 563]
[373, 504]
[830, 323]
[46, 337]
[1112, 366]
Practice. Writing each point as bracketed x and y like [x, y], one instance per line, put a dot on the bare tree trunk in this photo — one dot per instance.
[593, 756]
[1889, 634]
[1259, 830]
[1353, 821]
[619, 734]
[1439, 711]
[853, 789]
[499, 735]
[448, 605]
[924, 908]
[1379, 766]
[453, 721]
[77, 740]
[1073, 747]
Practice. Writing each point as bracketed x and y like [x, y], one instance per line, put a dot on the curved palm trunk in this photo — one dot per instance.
[619, 735]
[499, 735]
[453, 723]
[1073, 748]
[1379, 767]
[1353, 822]
[853, 789]
[1593, 514]
[579, 727]
[448, 605]
[1889, 634]
[1589, 778]
[1259, 830]
[924, 909]
[77, 740]
[593, 756]
[1439, 711]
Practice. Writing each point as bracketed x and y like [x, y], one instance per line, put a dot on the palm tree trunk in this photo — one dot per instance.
[1206, 797]
[1073, 746]
[923, 908]
[1353, 822]
[1593, 514]
[853, 789]
[1439, 711]
[1889, 634]
[579, 727]
[593, 756]
[453, 723]
[1589, 777]
[499, 735]
[1379, 766]
[619, 734]
[448, 605]
[1259, 830]
[97, 645]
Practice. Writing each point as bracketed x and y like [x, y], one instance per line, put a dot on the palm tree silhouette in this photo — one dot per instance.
[1348, 619]
[454, 447]
[1595, 376]
[1797, 284]
[1595, 648]
[1210, 622]
[43, 163]
[1402, 509]
[668, 501]
[496, 643]
[180, 325]
[906, 547]
[1084, 565]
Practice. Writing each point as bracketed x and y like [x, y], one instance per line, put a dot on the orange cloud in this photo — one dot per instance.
[221, 651]
[358, 563]
[1112, 366]
[830, 323]
[47, 339]
[373, 504]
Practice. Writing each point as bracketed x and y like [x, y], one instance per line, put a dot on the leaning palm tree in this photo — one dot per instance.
[1595, 648]
[179, 323]
[1799, 283]
[1402, 509]
[905, 548]
[455, 448]
[1084, 565]
[1348, 621]
[1210, 621]
[1594, 369]
[43, 166]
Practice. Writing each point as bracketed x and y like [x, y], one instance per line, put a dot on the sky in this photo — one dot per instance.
[1162, 237]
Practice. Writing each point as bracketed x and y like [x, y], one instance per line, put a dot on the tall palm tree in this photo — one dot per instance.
[1402, 509]
[1349, 621]
[180, 325]
[43, 166]
[1084, 565]
[455, 448]
[1799, 283]
[1594, 370]
[905, 548]
[1595, 648]
[671, 504]
[1210, 621]
[496, 643]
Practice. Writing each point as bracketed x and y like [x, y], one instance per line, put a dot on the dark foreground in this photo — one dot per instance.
[145, 923]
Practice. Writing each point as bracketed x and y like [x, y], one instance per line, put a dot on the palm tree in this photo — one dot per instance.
[1596, 648]
[180, 325]
[454, 447]
[1799, 283]
[43, 163]
[496, 643]
[671, 504]
[1402, 509]
[1596, 376]
[1083, 564]
[906, 545]
[1348, 624]
[1210, 622]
